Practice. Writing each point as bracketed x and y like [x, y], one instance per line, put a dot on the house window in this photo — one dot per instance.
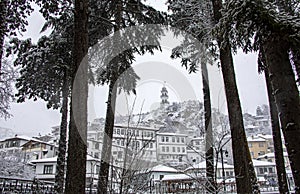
[97, 169]
[177, 139]
[261, 144]
[182, 140]
[167, 149]
[122, 132]
[120, 154]
[183, 150]
[178, 149]
[162, 139]
[271, 170]
[96, 145]
[167, 139]
[96, 155]
[118, 131]
[48, 169]
[163, 149]
[173, 149]
[250, 145]
[173, 139]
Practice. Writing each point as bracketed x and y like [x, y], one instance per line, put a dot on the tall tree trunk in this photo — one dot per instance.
[62, 148]
[278, 150]
[246, 181]
[296, 61]
[209, 154]
[110, 117]
[107, 138]
[286, 97]
[3, 27]
[76, 160]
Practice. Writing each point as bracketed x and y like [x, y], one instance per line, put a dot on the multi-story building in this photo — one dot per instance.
[171, 147]
[36, 149]
[257, 146]
[26, 148]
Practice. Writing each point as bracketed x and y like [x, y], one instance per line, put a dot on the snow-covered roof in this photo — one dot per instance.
[163, 168]
[255, 139]
[265, 136]
[202, 165]
[257, 163]
[176, 177]
[251, 126]
[45, 160]
[54, 159]
[271, 155]
[37, 140]
[172, 134]
[136, 127]
[21, 137]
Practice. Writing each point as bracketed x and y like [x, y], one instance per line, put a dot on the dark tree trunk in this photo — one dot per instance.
[62, 148]
[246, 181]
[209, 154]
[110, 117]
[278, 150]
[286, 97]
[76, 160]
[296, 61]
[107, 138]
[3, 27]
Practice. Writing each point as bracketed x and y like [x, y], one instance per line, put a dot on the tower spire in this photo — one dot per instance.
[164, 96]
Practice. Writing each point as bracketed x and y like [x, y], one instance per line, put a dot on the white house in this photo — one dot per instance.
[199, 170]
[264, 169]
[45, 169]
[158, 172]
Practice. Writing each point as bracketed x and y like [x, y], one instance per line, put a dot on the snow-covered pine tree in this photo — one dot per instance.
[195, 18]
[121, 14]
[13, 20]
[276, 132]
[44, 73]
[262, 25]
[8, 77]
[199, 19]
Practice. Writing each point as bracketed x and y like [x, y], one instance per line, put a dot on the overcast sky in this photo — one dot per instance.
[31, 118]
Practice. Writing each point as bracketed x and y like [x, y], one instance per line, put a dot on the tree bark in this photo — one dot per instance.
[107, 138]
[77, 149]
[246, 181]
[296, 61]
[278, 150]
[3, 28]
[286, 97]
[61, 158]
[209, 154]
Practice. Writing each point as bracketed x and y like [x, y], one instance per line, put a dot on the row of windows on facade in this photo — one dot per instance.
[133, 132]
[172, 139]
[260, 144]
[48, 169]
[10, 144]
[174, 157]
[121, 142]
[167, 149]
[259, 153]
